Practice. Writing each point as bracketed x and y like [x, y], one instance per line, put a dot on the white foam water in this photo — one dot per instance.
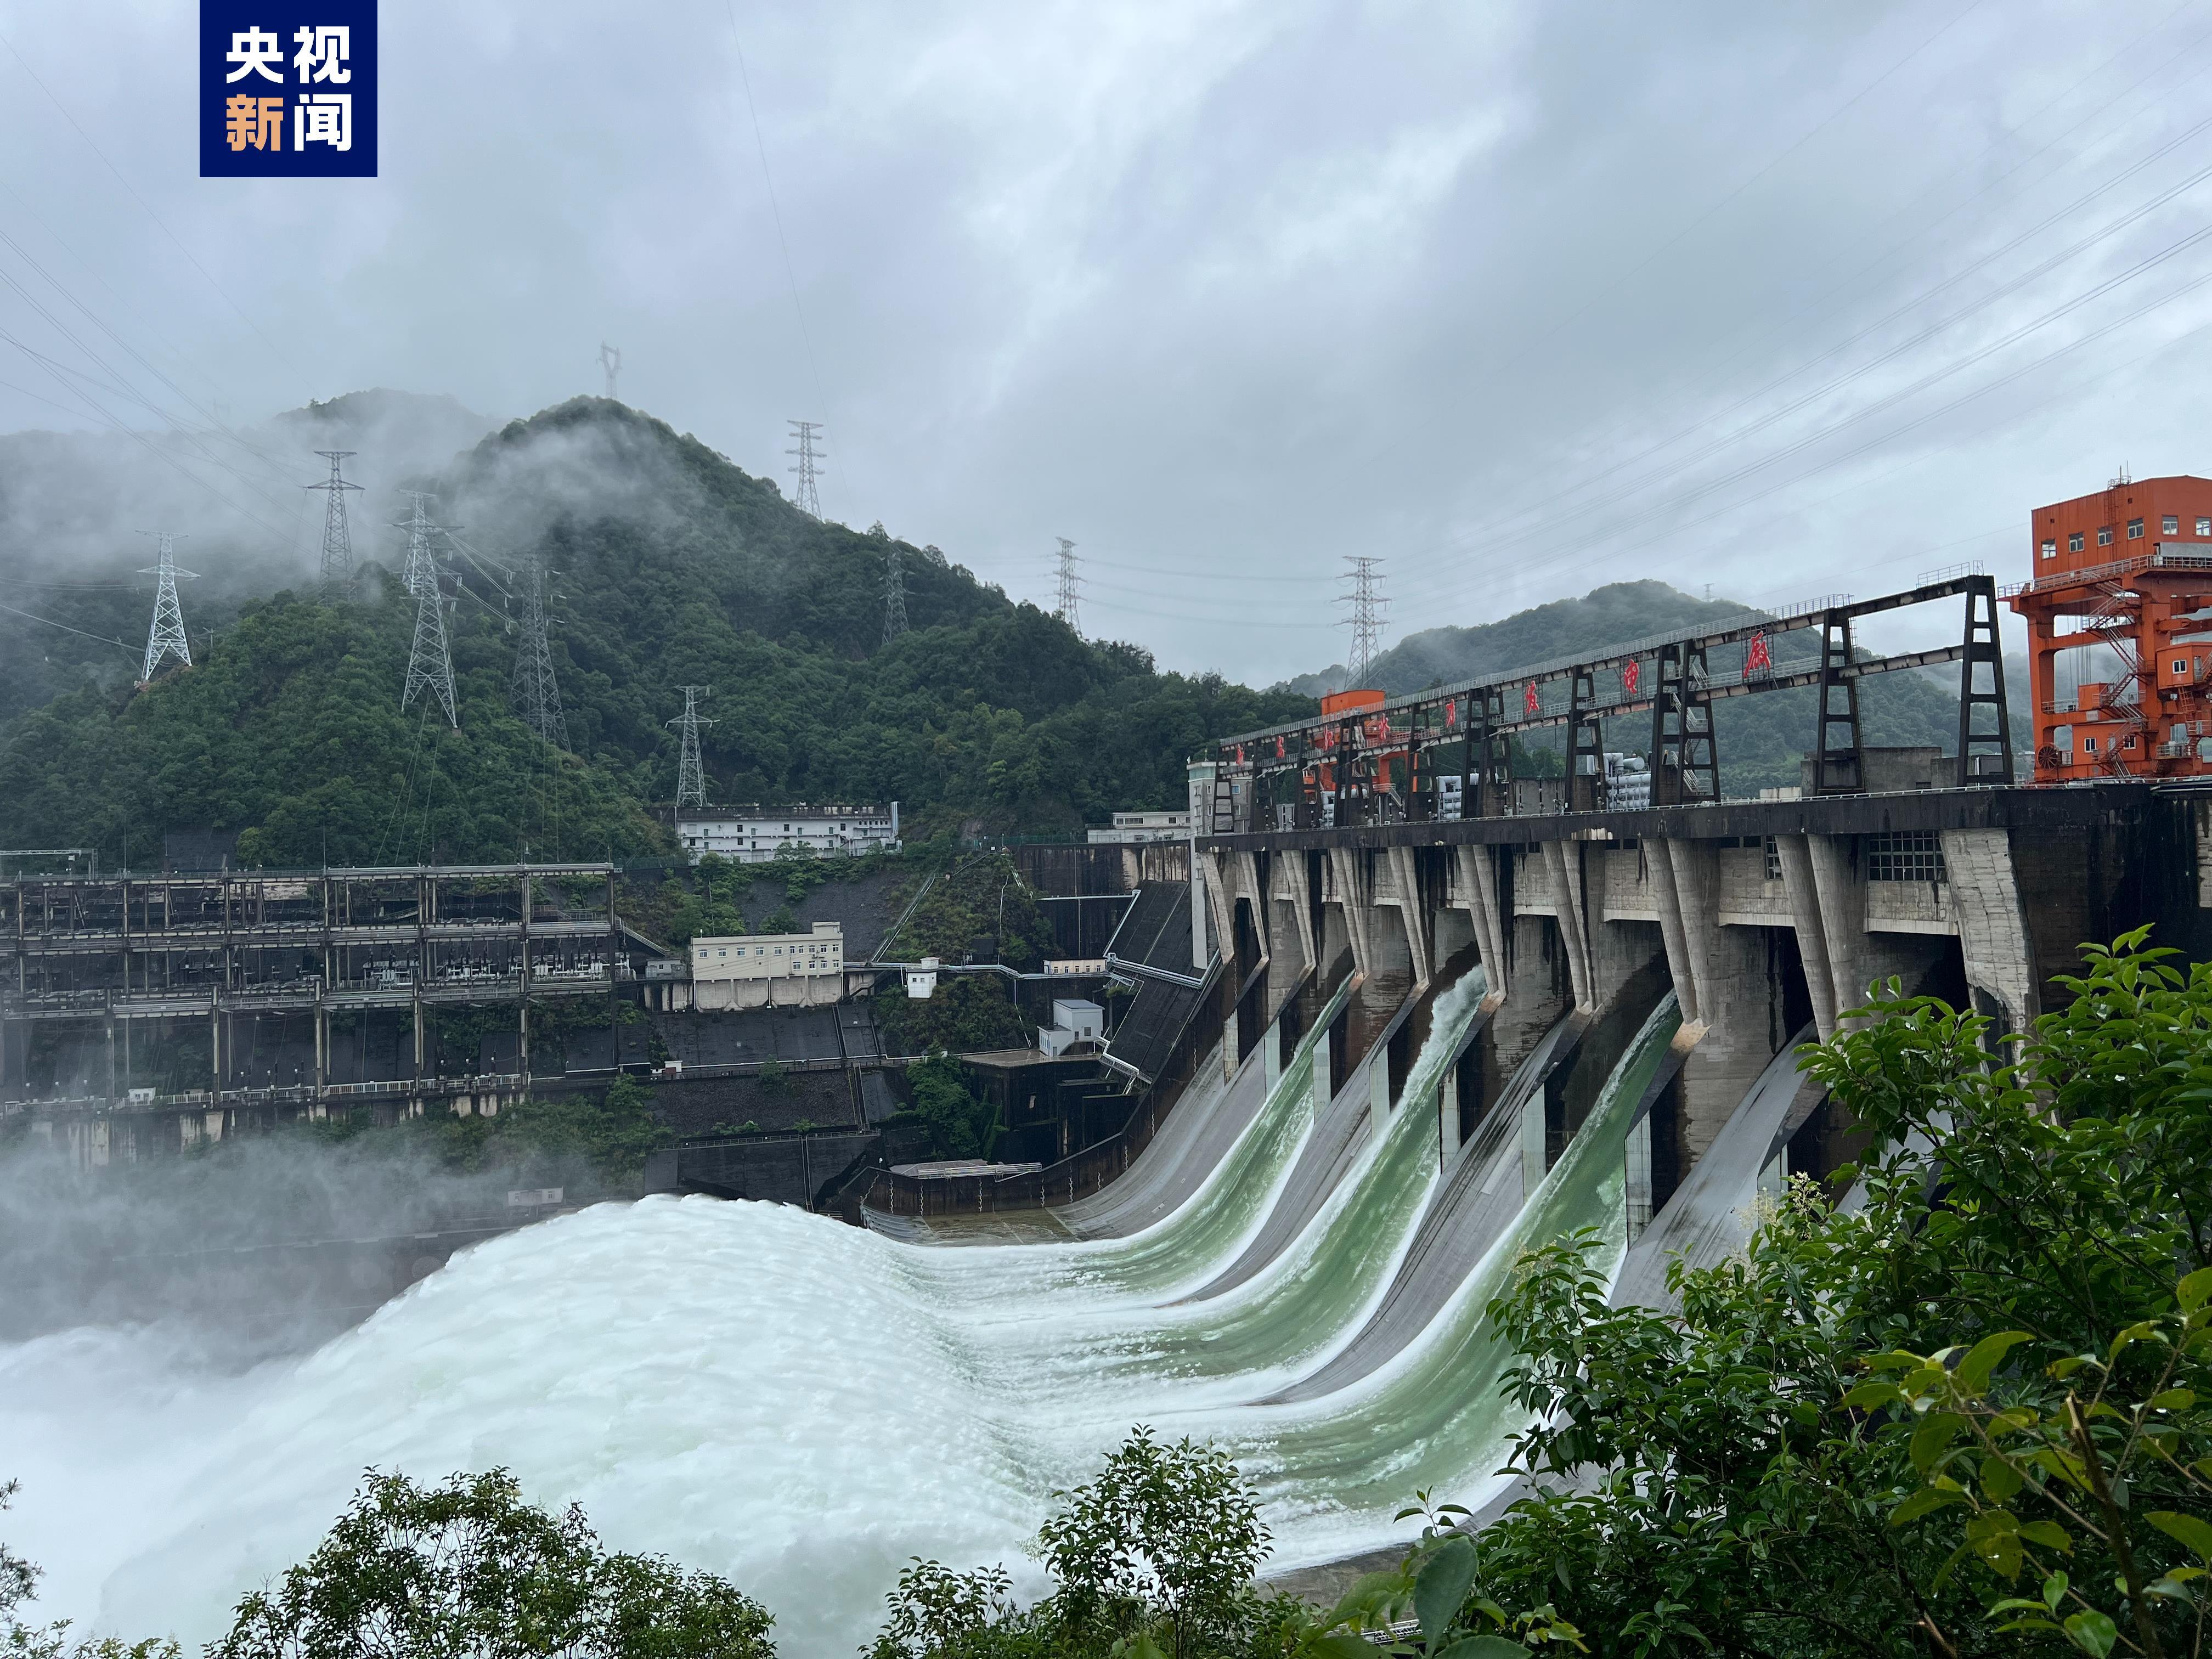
[795, 1404]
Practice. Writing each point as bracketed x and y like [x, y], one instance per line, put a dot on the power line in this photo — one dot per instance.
[805, 497]
[338, 535]
[429, 660]
[1067, 608]
[690, 776]
[166, 638]
[243, 315]
[1365, 606]
[1621, 279]
[775, 213]
[894, 595]
[536, 693]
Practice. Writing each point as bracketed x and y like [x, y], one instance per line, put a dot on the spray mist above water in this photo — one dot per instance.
[799, 1405]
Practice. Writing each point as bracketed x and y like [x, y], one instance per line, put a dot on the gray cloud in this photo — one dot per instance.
[1522, 298]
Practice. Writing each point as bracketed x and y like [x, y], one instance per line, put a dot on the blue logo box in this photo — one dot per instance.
[288, 90]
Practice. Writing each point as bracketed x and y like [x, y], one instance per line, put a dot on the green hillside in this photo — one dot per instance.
[673, 568]
[1761, 738]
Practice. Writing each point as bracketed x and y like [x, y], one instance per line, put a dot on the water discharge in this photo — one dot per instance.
[801, 1405]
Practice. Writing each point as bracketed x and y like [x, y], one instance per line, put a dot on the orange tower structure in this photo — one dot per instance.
[2128, 569]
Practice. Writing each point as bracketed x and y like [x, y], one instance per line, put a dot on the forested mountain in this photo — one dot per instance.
[1760, 738]
[74, 507]
[672, 567]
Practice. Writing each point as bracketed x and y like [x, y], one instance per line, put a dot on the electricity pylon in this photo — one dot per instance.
[338, 535]
[610, 361]
[166, 638]
[807, 499]
[894, 595]
[1067, 610]
[537, 693]
[421, 565]
[1367, 604]
[690, 776]
[429, 663]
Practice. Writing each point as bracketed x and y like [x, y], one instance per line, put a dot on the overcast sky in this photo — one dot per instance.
[1786, 298]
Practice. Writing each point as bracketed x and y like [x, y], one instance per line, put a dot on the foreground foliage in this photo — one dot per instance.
[468, 1568]
[1967, 1416]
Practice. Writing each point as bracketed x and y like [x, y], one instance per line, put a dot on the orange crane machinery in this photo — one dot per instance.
[2119, 617]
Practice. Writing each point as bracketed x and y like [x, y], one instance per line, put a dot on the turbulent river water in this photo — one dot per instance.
[801, 1405]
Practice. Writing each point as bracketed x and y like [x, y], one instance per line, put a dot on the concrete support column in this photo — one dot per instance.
[1994, 937]
[1564, 858]
[1287, 880]
[1248, 885]
[1685, 883]
[1406, 888]
[1841, 890]
[1221, 906]
[1477, 883]
[1796, 860]
[1353, 900]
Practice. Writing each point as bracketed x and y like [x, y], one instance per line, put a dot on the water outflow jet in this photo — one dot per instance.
[1185, 1246]
[1488, 1183]
[1268, 1329]
[778, 1398]
[1348, 1127]
[1711, 1214]
[1432, 1417]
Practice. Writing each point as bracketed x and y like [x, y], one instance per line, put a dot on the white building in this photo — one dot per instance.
[769, 970]
[1073, 1020]
[752, 834]
[1129, 827]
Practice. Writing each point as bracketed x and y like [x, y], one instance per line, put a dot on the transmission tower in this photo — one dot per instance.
[807, 498]
[337, 537]
[166, 638]
[537, 693]
[610, 361]
[690, 776]
[430, 663]
[1367, 604]
[894, 595]
[421, 564]
[1067, 610]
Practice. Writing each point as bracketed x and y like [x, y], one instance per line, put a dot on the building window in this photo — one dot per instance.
[1905, 856]
[2135, 529]
[2074, 542]
[2131, 740]
[2104, 534]
[2170, 525]
[1773, 860]
[2204, 526]
[2181, 665]
[2089, 745]
[2051, 550]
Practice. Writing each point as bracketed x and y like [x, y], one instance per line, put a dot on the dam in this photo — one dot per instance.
[1373, 1050]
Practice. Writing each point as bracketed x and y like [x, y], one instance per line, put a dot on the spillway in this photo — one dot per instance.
[801, 1405]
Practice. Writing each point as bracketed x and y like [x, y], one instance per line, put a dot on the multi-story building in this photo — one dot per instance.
[2119, 615]
[771, 970]
[753, 834]
[1133, 827]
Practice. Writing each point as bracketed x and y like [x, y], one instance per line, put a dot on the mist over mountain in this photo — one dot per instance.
[670, 567]
[73, 508]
